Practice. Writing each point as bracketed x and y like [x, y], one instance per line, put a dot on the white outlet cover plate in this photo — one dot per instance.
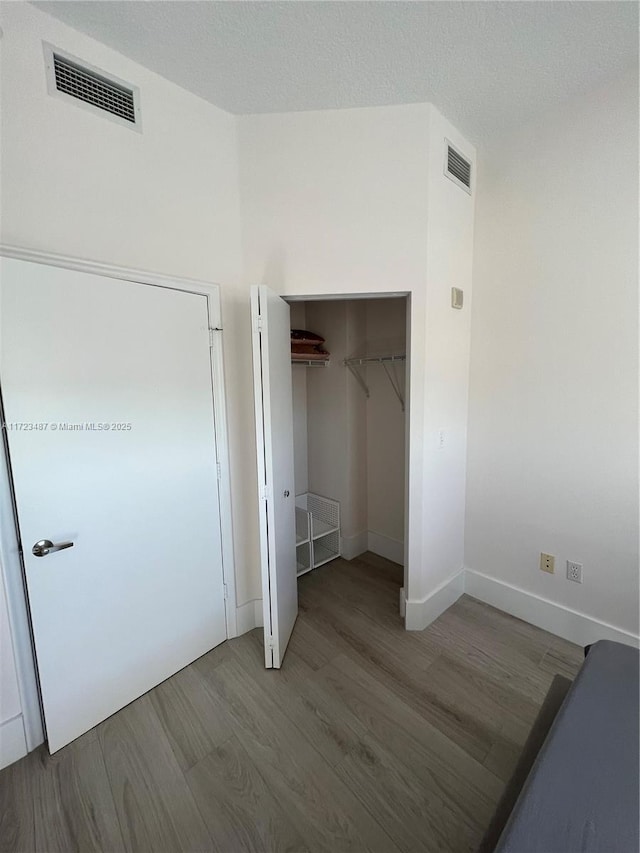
[547, 563]
[574, 571]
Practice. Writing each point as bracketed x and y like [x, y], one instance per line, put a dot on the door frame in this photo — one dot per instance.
[11, 564]
[410, 451]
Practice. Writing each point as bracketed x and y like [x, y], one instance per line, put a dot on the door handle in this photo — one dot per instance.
[46, 546]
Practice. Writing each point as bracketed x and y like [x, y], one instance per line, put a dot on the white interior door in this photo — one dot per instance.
[274, 436]
[108, 402]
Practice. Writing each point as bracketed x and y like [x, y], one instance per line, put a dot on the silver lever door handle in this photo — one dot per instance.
[46, 546]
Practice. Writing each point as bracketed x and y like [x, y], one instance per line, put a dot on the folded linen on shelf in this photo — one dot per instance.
[307, 346]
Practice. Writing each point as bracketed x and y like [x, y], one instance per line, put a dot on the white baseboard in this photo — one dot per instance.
[422, 612]
[384, 546]
[249, 616]
[13, 743]
[576, 627]
[352, 546]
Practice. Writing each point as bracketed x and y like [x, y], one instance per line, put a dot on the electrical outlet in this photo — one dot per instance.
[574, 571]
[547, 563]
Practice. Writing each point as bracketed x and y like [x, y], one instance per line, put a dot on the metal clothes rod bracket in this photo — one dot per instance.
[357, 377]
[395, 383]
[384, 360]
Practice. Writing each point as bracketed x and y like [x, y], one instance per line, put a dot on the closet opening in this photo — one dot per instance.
[349, 363]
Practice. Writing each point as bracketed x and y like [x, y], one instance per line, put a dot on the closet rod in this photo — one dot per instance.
[384, 360]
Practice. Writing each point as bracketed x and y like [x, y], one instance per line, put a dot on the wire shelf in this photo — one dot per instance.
[326, 549]
[303, 526]
[303, 558]
[317, 528]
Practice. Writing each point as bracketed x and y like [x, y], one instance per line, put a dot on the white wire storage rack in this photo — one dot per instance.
[317, 531]
[310, 362]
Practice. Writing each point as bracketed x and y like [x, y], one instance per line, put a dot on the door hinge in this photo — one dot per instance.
[270, 644]
[264, 493]
[219, 470]
[211, 335]
[259, 324]
[226, 591]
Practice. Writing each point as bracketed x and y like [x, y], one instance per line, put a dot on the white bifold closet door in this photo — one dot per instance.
[274, 436]
[108, 402]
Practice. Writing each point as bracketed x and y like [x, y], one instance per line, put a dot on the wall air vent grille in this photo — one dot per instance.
[457, 168]
[83, 84]
[69, 77]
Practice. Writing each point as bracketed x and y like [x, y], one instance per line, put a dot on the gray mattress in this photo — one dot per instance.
[583, 791]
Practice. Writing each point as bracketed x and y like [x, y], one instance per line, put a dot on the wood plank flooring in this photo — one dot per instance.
[370, 738]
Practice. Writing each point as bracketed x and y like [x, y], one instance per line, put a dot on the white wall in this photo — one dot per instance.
[385, 439]
[357, 470]
[326, 405]
[299, 392]
[553, 436]
[336, 424]
[449, 264]
[164, 200]
[350, 201]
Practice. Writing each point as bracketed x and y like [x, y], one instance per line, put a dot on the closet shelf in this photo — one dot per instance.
[375, 359]
[354, 363]
[310, 362]
[303, 527]
[321, 528]
[323, 553]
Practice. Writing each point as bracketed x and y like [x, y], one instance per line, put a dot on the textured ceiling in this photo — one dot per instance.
[488, 66]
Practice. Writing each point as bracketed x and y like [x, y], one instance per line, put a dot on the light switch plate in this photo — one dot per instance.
[457, 297]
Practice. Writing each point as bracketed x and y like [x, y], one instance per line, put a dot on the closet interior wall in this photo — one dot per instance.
[347, 446]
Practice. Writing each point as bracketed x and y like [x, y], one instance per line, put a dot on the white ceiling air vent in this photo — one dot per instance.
[71, 78]
[457, 168]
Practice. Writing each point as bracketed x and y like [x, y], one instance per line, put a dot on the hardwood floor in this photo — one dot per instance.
[369, 738]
